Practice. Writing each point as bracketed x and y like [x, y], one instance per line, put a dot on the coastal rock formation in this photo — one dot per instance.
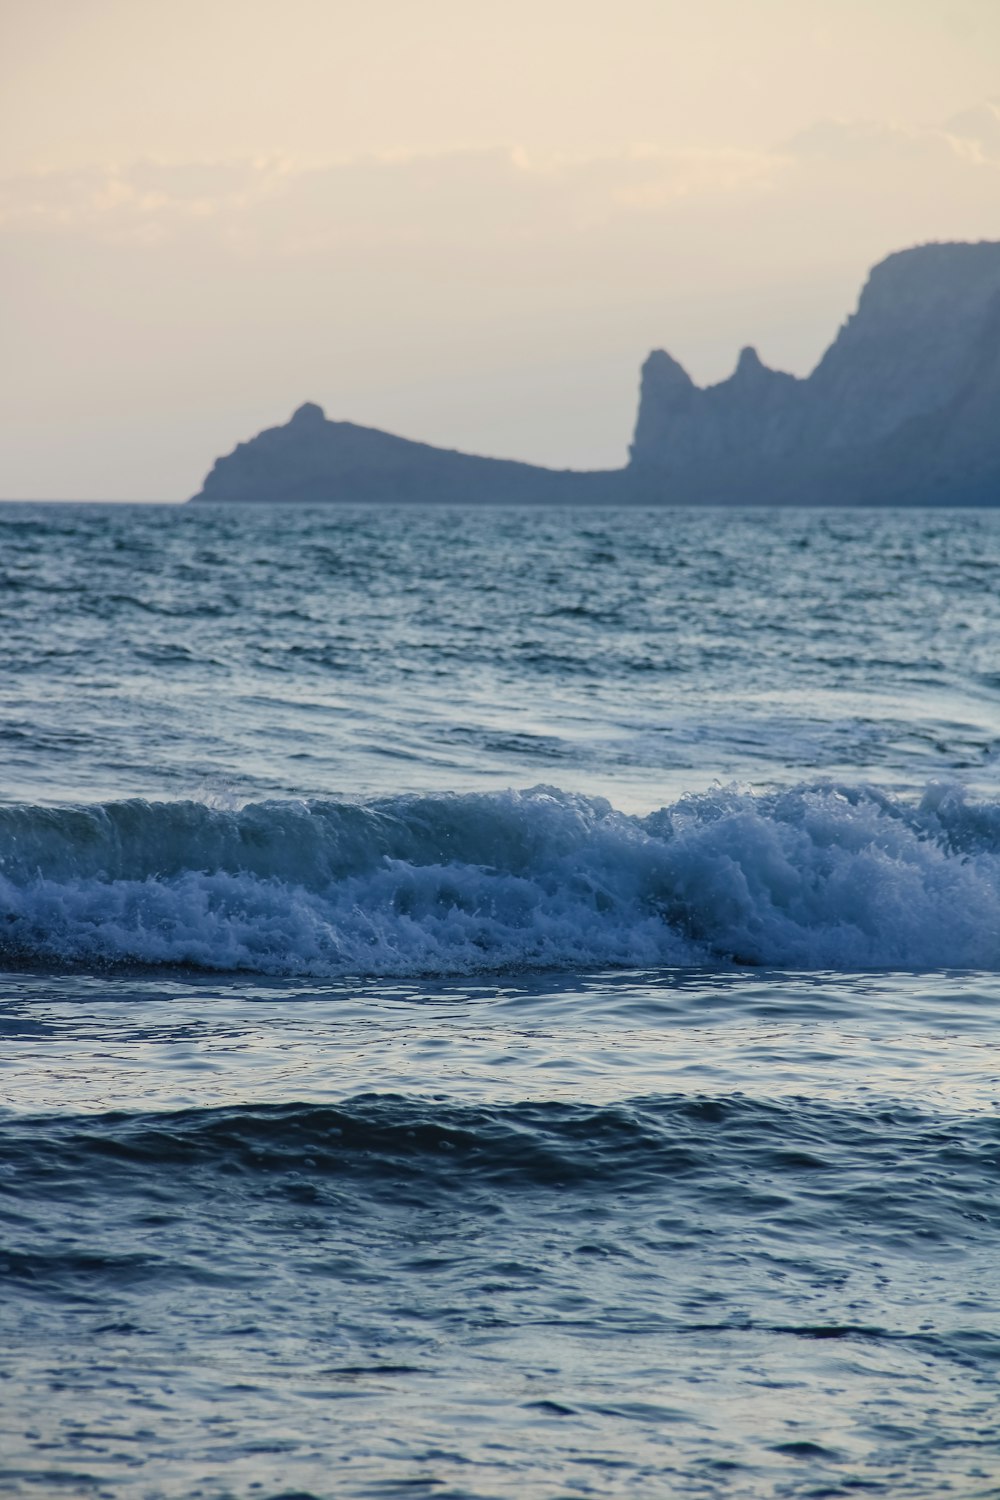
[903, 408]
[313, 460]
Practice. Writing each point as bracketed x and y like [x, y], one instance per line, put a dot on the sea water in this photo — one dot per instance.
[499, 1003]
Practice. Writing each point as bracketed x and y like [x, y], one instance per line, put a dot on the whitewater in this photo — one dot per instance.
[499, 1002]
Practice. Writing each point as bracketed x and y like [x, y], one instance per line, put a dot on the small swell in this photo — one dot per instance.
[901, 1169]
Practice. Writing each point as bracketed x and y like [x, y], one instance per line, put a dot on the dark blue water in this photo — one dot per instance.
[499, 1004]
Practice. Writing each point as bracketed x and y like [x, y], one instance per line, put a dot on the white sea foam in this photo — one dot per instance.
[815, 877]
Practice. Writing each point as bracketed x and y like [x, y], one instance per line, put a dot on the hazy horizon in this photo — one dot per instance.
[466, 230]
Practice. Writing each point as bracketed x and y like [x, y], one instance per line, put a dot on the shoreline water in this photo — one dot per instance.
[656, 1149]
[634, 1232]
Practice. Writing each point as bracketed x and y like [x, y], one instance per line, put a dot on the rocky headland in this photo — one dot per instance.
[313, 460]
[903, 408]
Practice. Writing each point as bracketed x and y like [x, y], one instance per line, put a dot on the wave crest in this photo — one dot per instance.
[814, 877]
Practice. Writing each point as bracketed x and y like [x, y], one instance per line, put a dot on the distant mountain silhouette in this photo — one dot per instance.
[314, 460]
[903, 408]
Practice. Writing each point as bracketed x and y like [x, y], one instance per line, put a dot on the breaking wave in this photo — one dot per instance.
[819, 876]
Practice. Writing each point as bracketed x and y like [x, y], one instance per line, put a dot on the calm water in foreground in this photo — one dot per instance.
[500, 1004]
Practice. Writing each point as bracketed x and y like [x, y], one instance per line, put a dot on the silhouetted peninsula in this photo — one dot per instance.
[903, 409]
[314, 460]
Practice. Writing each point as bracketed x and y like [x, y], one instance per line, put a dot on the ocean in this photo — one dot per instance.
[499, 1003]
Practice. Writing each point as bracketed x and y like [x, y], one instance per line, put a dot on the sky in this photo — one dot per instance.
[463, 222]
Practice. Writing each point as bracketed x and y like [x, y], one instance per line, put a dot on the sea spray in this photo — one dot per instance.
[818, 876]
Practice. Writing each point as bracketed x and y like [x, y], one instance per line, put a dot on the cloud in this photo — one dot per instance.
[457, 199]
[979, 127]
[871, 144]
[279, 204]
[142, 201]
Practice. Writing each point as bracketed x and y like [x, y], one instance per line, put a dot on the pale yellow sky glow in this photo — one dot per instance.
[465, 222]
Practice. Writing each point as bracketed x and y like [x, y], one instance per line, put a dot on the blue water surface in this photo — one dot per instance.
[499, 1003]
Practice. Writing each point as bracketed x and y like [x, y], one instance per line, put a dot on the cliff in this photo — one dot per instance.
[903, 408]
